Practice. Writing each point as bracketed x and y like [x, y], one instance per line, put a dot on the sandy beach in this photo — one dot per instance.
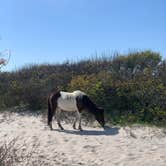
[121, 146]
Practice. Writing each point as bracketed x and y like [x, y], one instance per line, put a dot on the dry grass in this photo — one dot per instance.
[13, 154]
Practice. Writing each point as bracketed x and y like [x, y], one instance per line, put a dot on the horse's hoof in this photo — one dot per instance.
[80, 129]
[74, 127]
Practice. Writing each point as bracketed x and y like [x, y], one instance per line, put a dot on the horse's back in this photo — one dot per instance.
[79, 93]
[67, 101]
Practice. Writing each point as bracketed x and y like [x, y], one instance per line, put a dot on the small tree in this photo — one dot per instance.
[4, 61]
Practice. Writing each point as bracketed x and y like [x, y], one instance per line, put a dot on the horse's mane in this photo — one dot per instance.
[89, 104]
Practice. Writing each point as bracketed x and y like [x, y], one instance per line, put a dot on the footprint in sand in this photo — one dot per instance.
[5, 135]
[90, 148]
[65, 140]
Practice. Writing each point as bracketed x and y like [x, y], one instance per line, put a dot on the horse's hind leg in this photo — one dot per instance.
[51, 110]
[58, 119]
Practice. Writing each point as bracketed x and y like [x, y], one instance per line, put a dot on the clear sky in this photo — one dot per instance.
[39, 31]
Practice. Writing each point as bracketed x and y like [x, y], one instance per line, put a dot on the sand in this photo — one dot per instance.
[120, 146]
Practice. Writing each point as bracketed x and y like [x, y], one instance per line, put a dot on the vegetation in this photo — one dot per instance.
[131, 88]
[11, 153]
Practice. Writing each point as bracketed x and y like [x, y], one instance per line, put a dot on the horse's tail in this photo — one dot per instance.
[52, 105]
[50, 111]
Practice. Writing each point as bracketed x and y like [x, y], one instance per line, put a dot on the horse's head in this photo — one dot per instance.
[100, 116]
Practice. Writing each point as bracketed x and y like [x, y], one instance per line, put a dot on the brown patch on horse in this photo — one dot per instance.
[84, 102]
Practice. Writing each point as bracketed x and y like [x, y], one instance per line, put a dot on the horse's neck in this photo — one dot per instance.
[89, 104]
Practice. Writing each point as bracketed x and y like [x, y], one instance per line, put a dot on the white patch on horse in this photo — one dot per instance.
[67, 101]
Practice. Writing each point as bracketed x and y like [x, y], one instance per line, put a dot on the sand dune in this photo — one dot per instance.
[142, 146]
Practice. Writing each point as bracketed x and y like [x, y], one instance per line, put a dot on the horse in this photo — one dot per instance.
[76, 101]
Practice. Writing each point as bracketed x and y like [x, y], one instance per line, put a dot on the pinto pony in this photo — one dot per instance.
[76, 101]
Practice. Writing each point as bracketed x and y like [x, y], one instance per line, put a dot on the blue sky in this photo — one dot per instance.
[48, 31]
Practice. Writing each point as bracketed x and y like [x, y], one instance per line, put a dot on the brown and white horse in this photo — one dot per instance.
[76, 101]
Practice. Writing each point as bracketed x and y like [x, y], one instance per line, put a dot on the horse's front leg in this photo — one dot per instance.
[58, 119]
[80, 127]
[75, 121]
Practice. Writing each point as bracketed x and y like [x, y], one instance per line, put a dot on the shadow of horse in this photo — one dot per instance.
[107, 131]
